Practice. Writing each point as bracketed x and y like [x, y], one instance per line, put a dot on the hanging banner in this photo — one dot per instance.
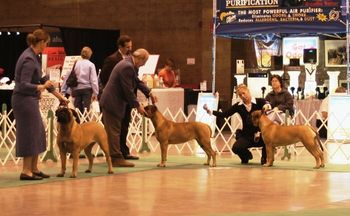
[269, 45]
[279, 16]
[54, 55]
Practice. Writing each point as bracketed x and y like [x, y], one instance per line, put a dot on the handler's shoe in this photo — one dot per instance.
[246, 160]
[119, 162]
[131, 157]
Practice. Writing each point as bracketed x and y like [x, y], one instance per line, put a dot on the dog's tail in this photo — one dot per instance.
[317, 138]
[209, 130]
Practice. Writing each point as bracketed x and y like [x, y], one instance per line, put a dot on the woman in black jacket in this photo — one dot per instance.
[248, 137]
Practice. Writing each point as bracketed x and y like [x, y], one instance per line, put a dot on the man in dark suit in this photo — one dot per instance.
[119, 95]
[124, 50]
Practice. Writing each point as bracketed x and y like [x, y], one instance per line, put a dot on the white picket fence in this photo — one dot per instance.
[140, 140]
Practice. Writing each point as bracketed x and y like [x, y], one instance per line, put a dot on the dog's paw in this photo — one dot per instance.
[87, 171]
[206, 164]
[110, 172]
[161, 165]
[267, 165]
[322, 166]
[213, 165]
[60, 175]
[73, 176]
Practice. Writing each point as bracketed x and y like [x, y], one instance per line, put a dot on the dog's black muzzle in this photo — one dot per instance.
[63, 115]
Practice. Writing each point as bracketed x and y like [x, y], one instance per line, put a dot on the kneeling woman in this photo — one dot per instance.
[247, 137]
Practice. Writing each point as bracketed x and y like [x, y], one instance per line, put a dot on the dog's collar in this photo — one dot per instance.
[62, 106]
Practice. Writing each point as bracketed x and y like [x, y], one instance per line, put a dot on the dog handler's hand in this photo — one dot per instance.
[64, 101]
[205, 107]
[257, 136]
[48, 84]
[266, 107]
[141, 110]
[154, 98]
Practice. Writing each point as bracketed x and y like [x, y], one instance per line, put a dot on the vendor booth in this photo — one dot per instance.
[288, 37]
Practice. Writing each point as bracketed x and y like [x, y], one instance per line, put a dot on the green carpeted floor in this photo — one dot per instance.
[10, 177]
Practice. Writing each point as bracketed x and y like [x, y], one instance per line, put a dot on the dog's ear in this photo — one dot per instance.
[76, 116]
[154, 108]
[257, 113]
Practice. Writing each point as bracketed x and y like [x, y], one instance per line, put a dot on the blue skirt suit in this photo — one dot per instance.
[30, 130]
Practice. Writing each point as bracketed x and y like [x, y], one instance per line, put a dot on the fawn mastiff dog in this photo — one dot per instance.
[169, 132]
[73, 137]
[281, 135]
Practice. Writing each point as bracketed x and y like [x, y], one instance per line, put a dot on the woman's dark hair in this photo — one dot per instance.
[37, 36]
[279, 78]
[170, 62]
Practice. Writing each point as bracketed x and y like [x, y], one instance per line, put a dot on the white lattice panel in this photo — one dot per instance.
[337, 151]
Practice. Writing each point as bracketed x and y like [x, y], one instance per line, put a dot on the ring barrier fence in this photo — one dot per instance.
[141, 136]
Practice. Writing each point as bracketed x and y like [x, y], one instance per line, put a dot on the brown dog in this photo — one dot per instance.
[281, 135]
[169, 132]
[73, 137]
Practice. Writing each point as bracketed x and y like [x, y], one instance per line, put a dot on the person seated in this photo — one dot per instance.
[280, 100]
[248, 137]
[168, 74]
[322, 122]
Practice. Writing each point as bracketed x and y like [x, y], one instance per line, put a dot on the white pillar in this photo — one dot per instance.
[333, 80]
[240, 78]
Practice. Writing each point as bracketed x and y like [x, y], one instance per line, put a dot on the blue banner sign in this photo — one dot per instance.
[279, 16]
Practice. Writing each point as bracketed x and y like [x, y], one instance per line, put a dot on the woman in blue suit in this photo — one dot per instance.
[29, 83]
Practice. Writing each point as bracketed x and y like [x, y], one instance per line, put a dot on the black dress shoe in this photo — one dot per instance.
[244, 161]
[121, 162]
[131, 157]
[24, 176]
[41, 174]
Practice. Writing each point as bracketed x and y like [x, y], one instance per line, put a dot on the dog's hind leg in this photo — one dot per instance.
[322, 159]
[209, 151]
[208, 154]
[312, 148]
[270, 154]
[320, 149]
[88, 154]
[105, 148]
